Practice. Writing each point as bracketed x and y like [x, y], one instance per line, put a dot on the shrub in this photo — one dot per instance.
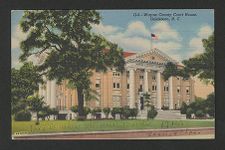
[183, 108]
[95, 111]
[74, 109]
[133, 112]
[22, 116]
[116, 110]
[87, 110]
[165, 107]
[189, 112]
[126, 112]
[106, 111]
[152, 113]
[42, 115]
[199, 113]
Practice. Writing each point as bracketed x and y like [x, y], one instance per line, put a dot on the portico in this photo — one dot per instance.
[150, 69]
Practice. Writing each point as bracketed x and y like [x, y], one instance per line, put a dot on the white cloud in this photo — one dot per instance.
[136, 37]
[15, 58]
[104, 29]
[176, 57]
[195, 44]
[167, 46]
[16, 37]
[134, 43]
[137, 28]
[165, 31]
[205, 31]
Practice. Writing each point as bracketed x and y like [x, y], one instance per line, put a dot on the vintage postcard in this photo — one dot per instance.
[112, 74]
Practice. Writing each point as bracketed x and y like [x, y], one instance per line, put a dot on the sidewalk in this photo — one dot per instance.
[123, 134]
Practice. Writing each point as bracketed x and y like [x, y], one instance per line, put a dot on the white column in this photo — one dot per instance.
[158, 90]
[132, 89]
[44, 89]
[85, 101]
[170, 93]
[48, 101]
[146, 81]
[53, 94]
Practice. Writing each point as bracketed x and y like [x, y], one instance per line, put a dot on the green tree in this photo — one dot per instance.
[203, 64]
[210, 104]
[147, 100]
[72, 50]
[199, 113]
[35, 104]
[45, 112]
[171, 69]
[183, 108]
[152, 113]
[24, 82]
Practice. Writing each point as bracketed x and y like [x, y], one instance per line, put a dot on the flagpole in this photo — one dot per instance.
[151, 42]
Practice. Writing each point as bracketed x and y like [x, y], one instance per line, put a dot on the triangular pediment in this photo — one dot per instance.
[153, 55]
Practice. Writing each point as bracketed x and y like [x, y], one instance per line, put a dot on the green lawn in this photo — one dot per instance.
[102, 125]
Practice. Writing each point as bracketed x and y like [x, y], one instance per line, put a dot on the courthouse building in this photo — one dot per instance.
[143, 73]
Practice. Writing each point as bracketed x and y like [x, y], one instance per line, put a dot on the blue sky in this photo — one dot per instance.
[179, 38]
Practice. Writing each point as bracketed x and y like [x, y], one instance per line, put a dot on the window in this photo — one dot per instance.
[116, 74]
[128, 73]
[114, 85]
[153, 77]
[166, 88]
[97, 85]
[178, 89]
[118, 85]
[128, 86]
[154, 87]
[140, 88]
[141, 77]
[187, 90]
[116, 101]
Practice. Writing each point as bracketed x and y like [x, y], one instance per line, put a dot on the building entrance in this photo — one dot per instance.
[142, 103]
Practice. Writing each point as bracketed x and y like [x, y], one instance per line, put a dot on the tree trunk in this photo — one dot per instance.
[37, 122]
[80, 104]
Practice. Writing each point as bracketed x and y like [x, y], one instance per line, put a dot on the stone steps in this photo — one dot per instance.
[170, 114]
[164, 115]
